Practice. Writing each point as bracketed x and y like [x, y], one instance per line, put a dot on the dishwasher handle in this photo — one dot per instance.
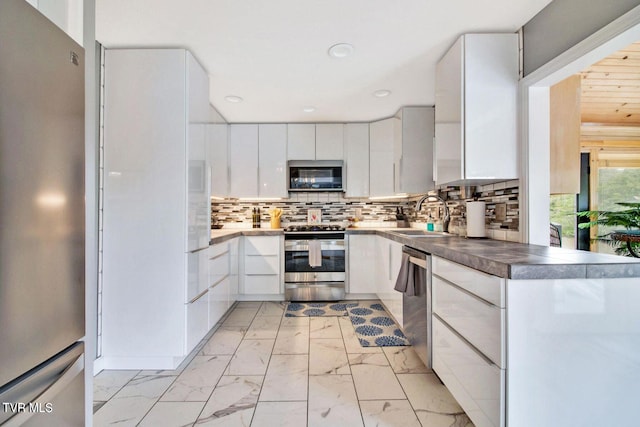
[416, 257]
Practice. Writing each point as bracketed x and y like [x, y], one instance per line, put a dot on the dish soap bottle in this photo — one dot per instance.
[430, 223]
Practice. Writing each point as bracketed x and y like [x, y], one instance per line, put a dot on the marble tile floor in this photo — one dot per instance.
[259, 368]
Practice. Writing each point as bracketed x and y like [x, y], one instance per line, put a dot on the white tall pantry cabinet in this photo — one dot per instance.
[156, 211]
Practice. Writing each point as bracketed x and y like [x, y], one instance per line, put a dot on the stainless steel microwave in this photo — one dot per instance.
[315, 175]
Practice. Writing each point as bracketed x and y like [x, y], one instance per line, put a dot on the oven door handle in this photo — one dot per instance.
[303, 245]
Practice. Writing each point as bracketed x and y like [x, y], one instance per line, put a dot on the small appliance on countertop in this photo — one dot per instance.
[475, 219]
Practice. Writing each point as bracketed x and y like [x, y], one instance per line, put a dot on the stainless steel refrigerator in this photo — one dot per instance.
[41, 221]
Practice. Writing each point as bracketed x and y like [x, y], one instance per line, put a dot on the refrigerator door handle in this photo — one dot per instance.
[55, 378]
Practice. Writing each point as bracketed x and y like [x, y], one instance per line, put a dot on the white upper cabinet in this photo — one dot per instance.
[257, 160]
[272, 162]
[301, 141]
[243, 160]
[218, 155]
[413, 150]
[198, 82]
[308, 141]
[329, 141]
[381, 166]
[356, 159]
[476, 110]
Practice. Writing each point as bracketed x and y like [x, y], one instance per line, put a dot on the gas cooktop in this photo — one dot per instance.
[313, 228]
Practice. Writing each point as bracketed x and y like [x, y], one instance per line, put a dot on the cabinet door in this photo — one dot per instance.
[218, 155]
[490, 106]
[356, 158]
[234, 269]
[565, 121]
[448, 115]
[272, 160]
[301, 141]
[415, 161]
[382, 266]
[243, 155]
[198, 91]
[381, 172]
[198, 202]
[362, 253]
[144, 202]
[393, 298]
[329, 141]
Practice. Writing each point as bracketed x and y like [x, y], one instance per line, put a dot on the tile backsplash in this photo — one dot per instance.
[336, 208]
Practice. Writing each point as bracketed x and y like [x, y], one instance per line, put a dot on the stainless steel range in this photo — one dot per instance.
[315, 262]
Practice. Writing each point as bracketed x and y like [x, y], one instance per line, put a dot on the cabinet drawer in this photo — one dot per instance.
[261, 285]
[262, 245]
[218, 268]
[218, 301]
[486, 286]
[218, 249]
[197, 321]
[476, 320]
[476, 384]
[269, 264]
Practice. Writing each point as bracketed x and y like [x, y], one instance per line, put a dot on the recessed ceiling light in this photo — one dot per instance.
[341, 50]
[309, 109]
[233, 98]
[381, 93]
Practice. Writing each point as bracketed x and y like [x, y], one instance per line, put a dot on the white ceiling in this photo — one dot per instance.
[273, 54]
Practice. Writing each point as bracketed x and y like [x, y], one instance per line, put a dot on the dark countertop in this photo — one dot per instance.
[504, 259]
[222, 235]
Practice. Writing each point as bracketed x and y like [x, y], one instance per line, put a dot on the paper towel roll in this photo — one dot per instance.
[475, 219]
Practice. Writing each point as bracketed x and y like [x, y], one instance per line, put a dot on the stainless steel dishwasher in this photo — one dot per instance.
[416, 310]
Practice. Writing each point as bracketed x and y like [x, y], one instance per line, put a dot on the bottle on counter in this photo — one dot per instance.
[254, 215]
[258, 216]
[430, 226]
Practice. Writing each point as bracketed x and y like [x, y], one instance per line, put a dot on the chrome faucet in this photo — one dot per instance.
[447, 215]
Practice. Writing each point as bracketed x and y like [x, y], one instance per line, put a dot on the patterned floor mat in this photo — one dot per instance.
[301, 309]
[374, 326]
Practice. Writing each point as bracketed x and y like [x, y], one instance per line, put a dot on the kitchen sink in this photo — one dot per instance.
[421, 233]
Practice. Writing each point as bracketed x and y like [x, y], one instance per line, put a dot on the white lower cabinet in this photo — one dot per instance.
[219, 278]
[388, 261]
[197, 320]
[475, 382]
[262, 265]
[218, 301]
[234, 269]
[362, 257]
[469, 346]
[479, 322]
